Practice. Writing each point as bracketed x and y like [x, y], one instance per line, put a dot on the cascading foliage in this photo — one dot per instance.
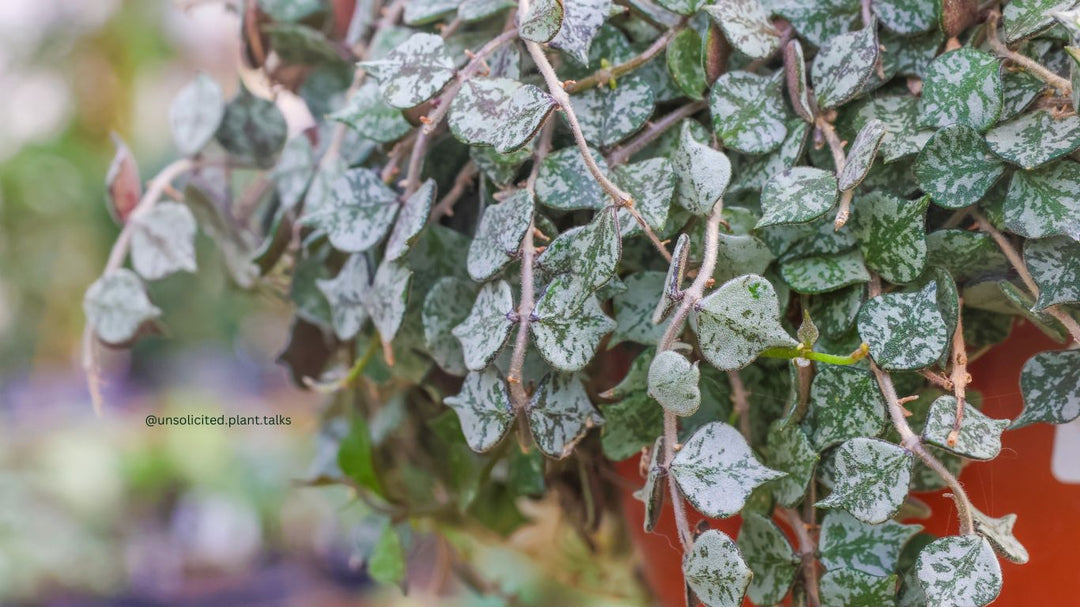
[793, 221]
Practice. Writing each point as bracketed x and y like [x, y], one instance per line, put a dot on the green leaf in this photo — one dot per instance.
[501, 169]
[748, 112]
[116, 306]
[485, 330]
[387, 298]
[853, 588]
[590, 252]
[358, 212]
[471, 11]
[906, 16]
[483, 406]
[962, 87]
[824, 273]
[819, 21]
[716, 470]
[560, 414]
[1035, 138]
[542, 21]
[1045, 202]
[769, 556]
[835, 312]
[1054, 263]
[956, 167]
[905, 330]
[568, 324]
[631, 424]
[673, 382]
[299, 44]
[789, 451]
[499, 112]
[387, 562]
[371, 117]
[797, 195]
[739, 321]
[421, 12]
[848, 543]
[701, 173]
[609, 115]
[654, 490]
[747, 27]
[860, 157]
[446, 306]
[738, 255]
[959, 570]
[634, 309]
[683, 7]
[252, 129]
[565, 183]
[714, 569]
[195, 114]
[999, 532]
[498, 237]
[581, 20]
[966, 255]
[411, 221]
[163, 240]
[900, 114]
[651, 183]
[347, 293]
[354, 456]
[870, 480]
[892, 235]
[683, 57]
[673, 280]
[755, 174]
[979, 437]
[1050, 385]
[843, 65]
[1019, 90]
[1028, 18]
[413, 72]
[844, 404]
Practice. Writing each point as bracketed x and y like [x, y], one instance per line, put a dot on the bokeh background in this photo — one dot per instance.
[103, 510]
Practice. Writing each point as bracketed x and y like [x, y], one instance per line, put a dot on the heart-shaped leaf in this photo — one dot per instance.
[568, 324]
[358, 212]
[746, 26]
[892, 235]
[483, 406]
[565, 183]
[769, 556]
[683, 57]
[739, 321]
[870, 479]
[843, 65]
[701, 173]
[634, 309]
[163, 241]
[580, 21]
[387, 298]
[789, 451]
[1035, 138]
[905, 330]
[956, 167]
[673, 382]
[797, 195]
[498, 237]
[1050, 385]
[819, 21]
[560, 414]
[979, 437]
[1054, 263]
[848, 543]
[959, 570]
[542, 21]
[715, 570]
[844, 403]
[346, 293]
[414, 71]
[824, 273]
[411, 220]
[371, 117]
[195, 114]
[1045, 202]
[962, 87]
[609, 115]
[590, 252]
[487, 327]
[999, 532]
[748, 112]
[446, 306]
[499, 112]
[116, 306]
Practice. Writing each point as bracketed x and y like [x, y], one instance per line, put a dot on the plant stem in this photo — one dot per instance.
[807, 552]
[445, 206]
[651, 131]
[839, 160]
[1003, 51]
[603, 76]
[432, 120]
[832, 359]
[740, 402]
[959, 376]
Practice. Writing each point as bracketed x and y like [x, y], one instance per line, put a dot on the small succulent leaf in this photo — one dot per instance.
[673, 382]
[738, 255]
[1034, 138]
[414, 71]
[116, 306]
[370, 116]
[683, 57]
[797, 195]
[748, 112]
[1054, 263]
[906, 16]
[446, 306]
[560, 414]
[715, 570]
[795, 75]
[483, 406]
[844, 404]
[843, 65]
[824, 273]
[851, 587]
[717, 470]
[163, 240]
[956, 167]
[959, 570]
[1028, 18]
[870, 480]
[568, 324]
[498, 237]
[484, 332]
[358, 212]
[499, 112]
[634, 309]
[790, 451]
[651, 183]
[1045, 202]
[673, 281]
[387, 563]
[999, 532]
[701, 173]
[565, 183]
[252, 129]
[739, 321]
[848, 543]
[962, 87]
[903, 136]
[892, 235]
[654, 490]
[609, 115]
[817, 22]
[747, 27]
[542, 21]
[979, 437]
[769, 556]
[387, 298]
[1050, 385]
[411, 220]
[590, 252]
[195, 114]
[905, 330]
[860, 157]
[1019, 90]
[581, 21]
[346, 294]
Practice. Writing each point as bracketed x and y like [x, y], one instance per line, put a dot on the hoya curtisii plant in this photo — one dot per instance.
[797, 222]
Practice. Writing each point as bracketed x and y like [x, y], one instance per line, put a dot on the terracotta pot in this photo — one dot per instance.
[1020, 480]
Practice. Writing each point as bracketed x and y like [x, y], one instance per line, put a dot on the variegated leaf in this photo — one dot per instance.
[253, 129]
[1045, 202]
[371, 117]
[634, 309]
[414, 71]
[848, 587]
[560, 414]
[903, 136]
[294, 171]
[673, 382]
[498, 237]
[565, 183]
[789, 451]
[999, 532]
[581, 20]
[979, 436]
[683, 57]
[483, 406]
[388, 296]
[860, 157]
[956, 167]
[630, 424]
[848, 543]
[748, 112]
[819, 21]
[1027, 18]
[747, 27]
[824, 273]
[609, 115]
[347, 293]
[844, 404]
[1054, 263]
[590, 252]
[446, 306]
[486, 328]
[499, 112]
[196, 113]
[769, 556]
[905, 330]
[715, 570]
[870, 479]
[738, 255]
[411, 220]
[116, 306]
[892, 235]
[357, 213]
[906, 16]
[651, 183]
[962, 87]
[654, 490]
[163, 240]
[568, 324]
[542, 21]
[797, 195]
[1034, 138]
[739, 321]
[673, 281]
[1050, 385]
[701, 173]
[959, 570]
[843, 65]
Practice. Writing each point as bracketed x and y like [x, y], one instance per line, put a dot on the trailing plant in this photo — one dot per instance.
[756, 244]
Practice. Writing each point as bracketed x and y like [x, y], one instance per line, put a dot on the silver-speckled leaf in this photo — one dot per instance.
[796, 78]
[1050, 385]
[999, 532]
[1054, 263]
[843, 65]
[701, 173]
[253, 129]
[414, 71]
[905, 330]
[848, 543]
[739, 321]
[499, 112]
[756, 173]
[844, 403]
[683, 58]
[609, 115]
[1035, 138]
[560, 414]
[824, 273]
[346, 294]
[388, 296]
[769, 556]
[847, 587]
[371, 117]
[962, 87]
[835, 312]
[568, 324]
[422, 12]
[716, 470]
[498, 237]
[163, 240]
[903, 136]
[870, 479]
[565, 183]
[411, 220]
[682, 7]
[738, 255]
[1045, 202]
[906, 16]
[956, 167]
[789, 451]
[747, 27]
[590, 252]
[542, 21]
[446, 306]
[673, 382]
[715, 570]
[1028, 18]
[195, 114]
[580, 21]
[819, 21]
[979, 437]
[797, 195]
[483, 406]
[357, 213]
[116, 306]
[634, 309]
[892, 235]
[748, 112]
[483, 333]
[651, 183]
[860, 157]
[959, 570]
